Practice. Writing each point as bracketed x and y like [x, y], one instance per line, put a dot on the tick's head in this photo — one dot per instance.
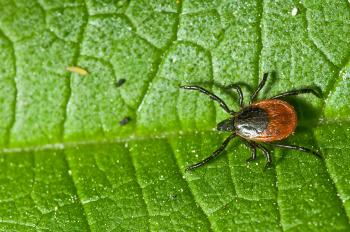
[226, 125]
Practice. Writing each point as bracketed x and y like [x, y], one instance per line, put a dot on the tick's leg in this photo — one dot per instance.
[266, 153]
[252, 147]
[239, 91]
[260, 86]
[297, 92]
[211, 95]
[294, 147]
[214, 155]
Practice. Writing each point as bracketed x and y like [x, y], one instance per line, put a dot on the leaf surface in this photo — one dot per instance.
[68, 165]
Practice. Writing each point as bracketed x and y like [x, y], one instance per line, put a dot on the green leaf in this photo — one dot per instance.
[68, 165]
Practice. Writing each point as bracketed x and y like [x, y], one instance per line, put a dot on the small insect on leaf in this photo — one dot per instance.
[263, 121]
[124, 121]
[77, 70]
[120, 82]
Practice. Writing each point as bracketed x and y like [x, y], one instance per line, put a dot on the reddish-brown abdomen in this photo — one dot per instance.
[282, 120]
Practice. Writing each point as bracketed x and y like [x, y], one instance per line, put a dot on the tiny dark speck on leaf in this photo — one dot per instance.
[124, 121]
[120, 82]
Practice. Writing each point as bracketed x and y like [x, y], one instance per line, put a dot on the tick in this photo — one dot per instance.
[265, 121]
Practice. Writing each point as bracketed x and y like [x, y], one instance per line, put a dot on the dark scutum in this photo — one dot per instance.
[251, 122]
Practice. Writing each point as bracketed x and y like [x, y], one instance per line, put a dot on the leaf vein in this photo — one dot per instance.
[139, 185]
[69, 75]
[14, 83]
[188, 186]
[158, 62]
[75, 191]
[331, 177]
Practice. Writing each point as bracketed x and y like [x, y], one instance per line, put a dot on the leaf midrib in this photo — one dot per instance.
[134, 137]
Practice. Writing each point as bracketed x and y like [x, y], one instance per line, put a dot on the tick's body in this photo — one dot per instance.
[263, 121]
[266, 121]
